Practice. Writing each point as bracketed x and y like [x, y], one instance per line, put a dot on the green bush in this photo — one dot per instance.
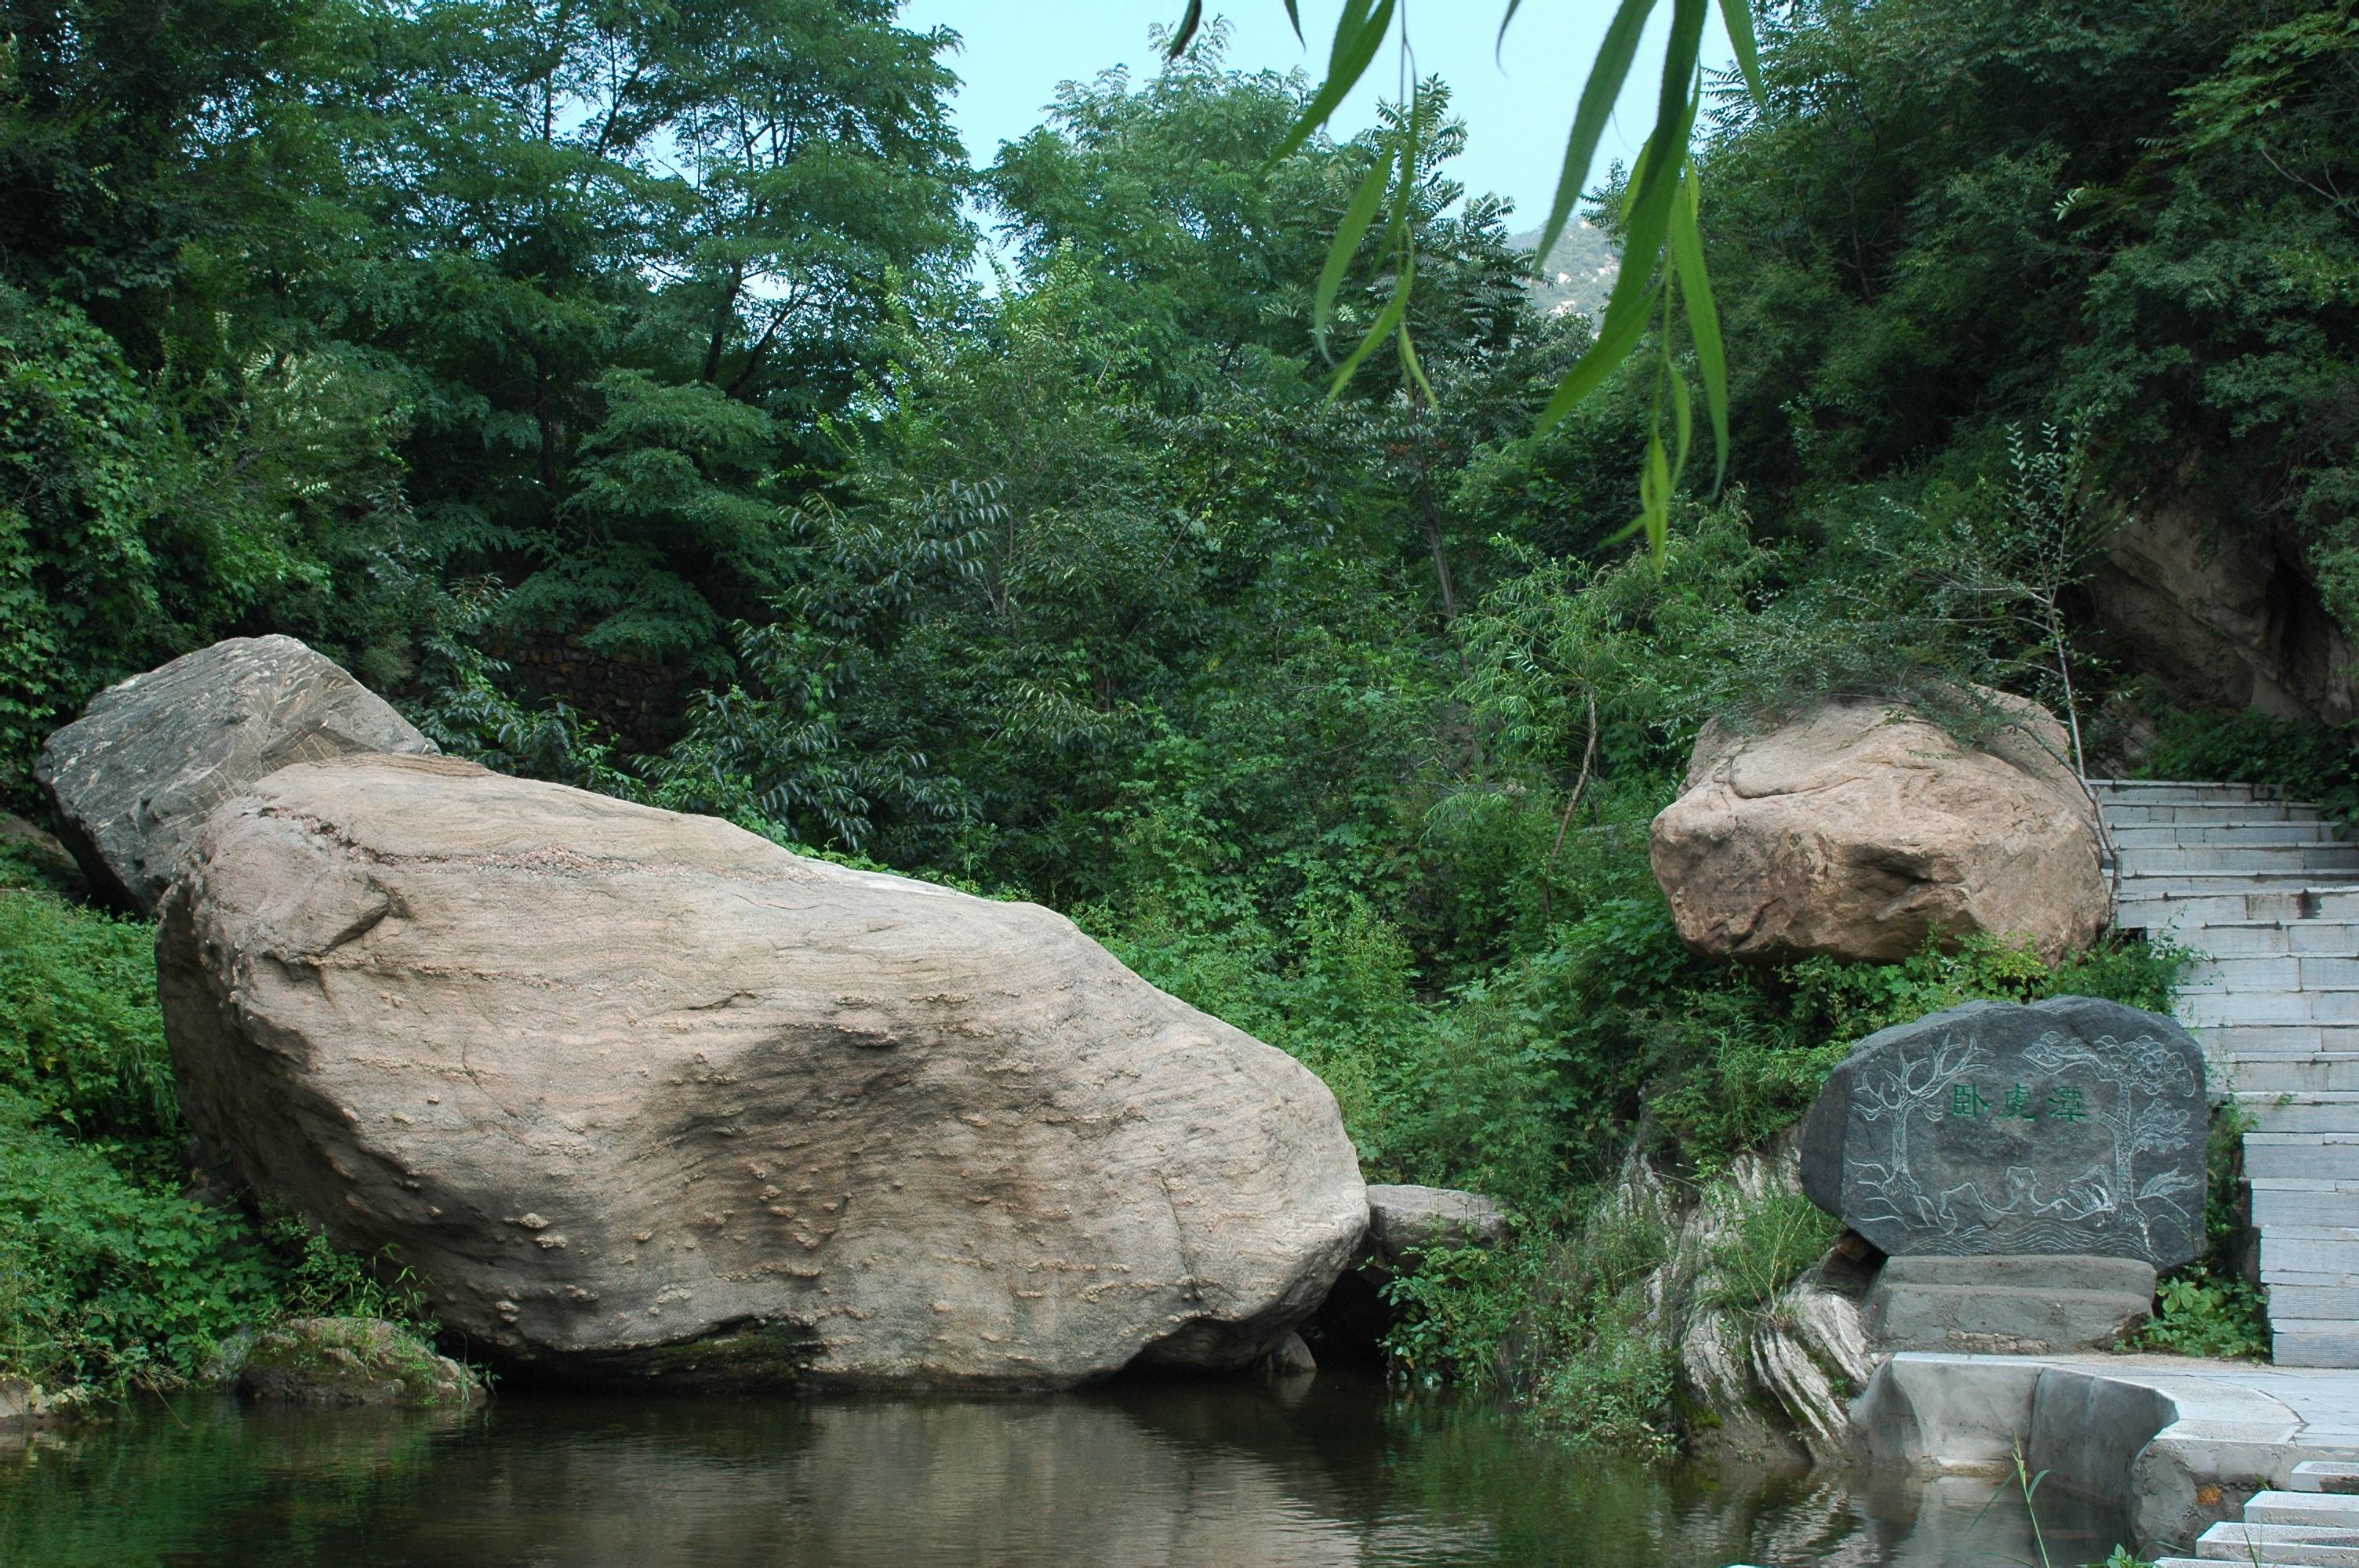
[107, 1280]
[2204, 1314]
[110, 1279]
[2308, 761]
[82, 1037]
[1767, 1250]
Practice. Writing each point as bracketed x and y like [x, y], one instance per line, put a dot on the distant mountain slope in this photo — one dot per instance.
[1578, 274]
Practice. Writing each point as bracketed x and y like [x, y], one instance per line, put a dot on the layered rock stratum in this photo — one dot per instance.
[643, 1094]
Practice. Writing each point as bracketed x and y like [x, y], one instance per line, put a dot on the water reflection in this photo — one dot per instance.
[1221, 1476]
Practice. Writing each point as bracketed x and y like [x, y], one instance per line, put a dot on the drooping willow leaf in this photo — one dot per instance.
[1359, 32]
[1664, 279]
[1356, 219]
[1185, 32]
[1702, 315]
[1615, 55]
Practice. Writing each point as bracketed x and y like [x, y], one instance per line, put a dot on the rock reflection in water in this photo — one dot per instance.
[1230, 1475]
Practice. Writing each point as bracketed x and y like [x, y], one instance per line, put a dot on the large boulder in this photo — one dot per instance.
[132, 778]
[1857, 830]
[642, 1095]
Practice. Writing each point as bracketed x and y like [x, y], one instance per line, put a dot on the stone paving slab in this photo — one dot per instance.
[2185, 1442]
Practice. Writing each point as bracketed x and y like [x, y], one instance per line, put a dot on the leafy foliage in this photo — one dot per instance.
[110, 1278]
[606, 387]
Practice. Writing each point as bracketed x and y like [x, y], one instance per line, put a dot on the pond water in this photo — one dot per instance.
[1223, 1477]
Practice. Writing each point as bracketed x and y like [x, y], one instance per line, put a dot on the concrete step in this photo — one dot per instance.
[2303, 1508]
[2207, 813]
[2300, 1342]
[2273, 938]
[2281, 868]
[2318, 1256]
[2149, 792]
[2329, 860]
[2327, 1004]
[2314, 1303]
[2304, 1201]
[2335, 1476]
[2132, 839]
[2334, 1073]
[2315, 1345]
[2329, 1156]
[2289, 971]
[2263, 1041]
[2280, 1113]
[2148, 904]
[2270, 1007]
[2313, 1546]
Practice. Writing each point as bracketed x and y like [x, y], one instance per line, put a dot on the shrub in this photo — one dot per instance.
[82, 1037]
[1767, 1250]
[108, 1280]
[2202, 1314]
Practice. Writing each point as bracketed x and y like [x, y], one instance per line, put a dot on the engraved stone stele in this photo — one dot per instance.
[2071, 1126]
[132, 778]
[642, 1096]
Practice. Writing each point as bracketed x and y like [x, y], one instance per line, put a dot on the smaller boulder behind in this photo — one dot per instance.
[1858, 829]
[1404, 1222]
[134, 777]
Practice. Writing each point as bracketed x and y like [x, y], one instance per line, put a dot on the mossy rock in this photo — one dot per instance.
[344, 1361]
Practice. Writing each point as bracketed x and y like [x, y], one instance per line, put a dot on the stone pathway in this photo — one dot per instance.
[2261, 885]
[2188, 1446]
[2314, 1524]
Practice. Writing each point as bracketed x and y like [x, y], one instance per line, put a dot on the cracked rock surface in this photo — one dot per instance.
[644, 1095]
[1858, 828]
[134, 776]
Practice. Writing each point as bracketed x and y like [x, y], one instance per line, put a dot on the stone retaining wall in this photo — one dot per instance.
[637, 701]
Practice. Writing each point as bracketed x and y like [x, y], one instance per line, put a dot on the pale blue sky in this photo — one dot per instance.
[1517, 109]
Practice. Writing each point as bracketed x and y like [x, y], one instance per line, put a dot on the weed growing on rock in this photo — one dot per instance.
[1767, 1250]
[111, 1279]
[2204, 1314]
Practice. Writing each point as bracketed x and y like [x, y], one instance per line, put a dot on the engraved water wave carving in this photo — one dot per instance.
[1916, 1090]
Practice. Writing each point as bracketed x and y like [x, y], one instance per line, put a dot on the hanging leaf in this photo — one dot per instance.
[1382, 328]
[1736, 15]
[1346, 246]
[1186, 31]
[1612, 69]
[1663, 279]
[1704, 319]
[1358, 33]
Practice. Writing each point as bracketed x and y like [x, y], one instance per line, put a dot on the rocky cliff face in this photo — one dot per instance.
[1758, 1383]
[2222, 617]
[644, 1095]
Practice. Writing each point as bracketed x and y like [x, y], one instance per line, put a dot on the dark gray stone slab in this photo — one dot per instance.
[134, 777]
[2068, 1126]
[2008, 1307]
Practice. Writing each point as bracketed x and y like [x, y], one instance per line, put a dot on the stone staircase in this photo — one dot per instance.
[2316, 1525]
[2262, 887]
